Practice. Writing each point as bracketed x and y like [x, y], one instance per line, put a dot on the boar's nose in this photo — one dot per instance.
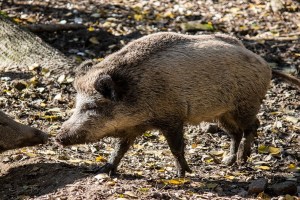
[43, 137]
[68, 138]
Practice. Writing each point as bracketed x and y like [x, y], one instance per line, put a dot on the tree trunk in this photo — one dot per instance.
[20, 49]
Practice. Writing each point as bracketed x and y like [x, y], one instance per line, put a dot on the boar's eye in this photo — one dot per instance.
[89, 107]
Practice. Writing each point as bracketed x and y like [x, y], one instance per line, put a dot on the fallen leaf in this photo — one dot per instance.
[33, 67]
[130, 194]
[263, 149]
[90, 29]
[100, 159]
[56, 109]
[294, 120]
[177, 181]
[61, 78]
[229, 177]
[143, 189]
[94, 40]
[263, 196]
[274, 150]
[292, 166]
[58, 97]
[138, 17]
[289, 197]
[111, 183]
[217, 153]
[263, 167]
[196, 25]
[211, 185]
[102, 176]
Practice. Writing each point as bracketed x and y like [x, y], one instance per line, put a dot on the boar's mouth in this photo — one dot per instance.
[36, 137]
[2, 149]
[66, 139]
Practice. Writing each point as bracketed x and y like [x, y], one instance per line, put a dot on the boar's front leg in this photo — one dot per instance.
[121, 147]
[174, 136]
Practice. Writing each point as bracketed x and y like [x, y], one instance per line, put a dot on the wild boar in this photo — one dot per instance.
[15, 135]
[164, 81]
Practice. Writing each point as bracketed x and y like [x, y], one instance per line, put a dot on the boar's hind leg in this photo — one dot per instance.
[174, 135]
[235, 134]
[245, 145]
[121, 147]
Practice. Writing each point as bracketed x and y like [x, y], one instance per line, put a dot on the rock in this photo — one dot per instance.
[294, 120]
[209, 127]
[102, 176]
[242, 193]
[257, 186]
[286, 187]
[276, 5]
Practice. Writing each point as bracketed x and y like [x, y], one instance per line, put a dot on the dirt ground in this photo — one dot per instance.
[147, 171]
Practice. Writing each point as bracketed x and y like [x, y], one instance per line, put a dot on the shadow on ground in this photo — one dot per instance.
[16, 75]
[38, 179]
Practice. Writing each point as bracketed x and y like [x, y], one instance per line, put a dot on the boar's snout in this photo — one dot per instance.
[65, 137]
[41, 136]
[32, 137]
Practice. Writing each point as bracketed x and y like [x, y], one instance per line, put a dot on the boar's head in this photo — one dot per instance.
[15, 135]
[100, 109]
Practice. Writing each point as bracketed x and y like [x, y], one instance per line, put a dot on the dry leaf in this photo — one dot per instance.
[263, 149]
[211, 185]
[177, 181]
[91, 29]
[263, 167]
[263, 196]
[274, 150]
[138, 17]
[130, 194]
[94, 40]
[229, 177]
[102, 176]
[100, 159]
[61, 78]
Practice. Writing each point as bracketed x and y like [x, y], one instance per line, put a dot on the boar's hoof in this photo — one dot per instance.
[229, 160]
[181, 172]
[107, 168]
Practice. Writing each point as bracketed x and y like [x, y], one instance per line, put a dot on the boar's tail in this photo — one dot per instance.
[286, 77]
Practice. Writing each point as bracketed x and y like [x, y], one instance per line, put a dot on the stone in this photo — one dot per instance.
[286, 187]
[257, 186]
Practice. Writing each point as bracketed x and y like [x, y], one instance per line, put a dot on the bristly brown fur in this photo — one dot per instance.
[164, 81]
[15, 135]
[141, 50]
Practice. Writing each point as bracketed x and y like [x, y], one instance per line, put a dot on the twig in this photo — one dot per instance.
[288, 38]
[11, 9]
[36, 28]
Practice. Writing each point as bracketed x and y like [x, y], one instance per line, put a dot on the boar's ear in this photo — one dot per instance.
[105, 86]
[84, 67]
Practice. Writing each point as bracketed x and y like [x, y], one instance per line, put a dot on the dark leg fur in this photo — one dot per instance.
[230, 126]
[236, 138]
[121, 147]
[245, 145]
[173, 131]
[242, 136]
